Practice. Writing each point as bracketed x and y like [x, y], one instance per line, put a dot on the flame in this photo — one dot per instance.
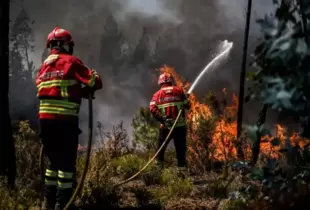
[223, 139]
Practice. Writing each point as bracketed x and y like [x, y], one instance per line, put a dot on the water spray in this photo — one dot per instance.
[225, 49]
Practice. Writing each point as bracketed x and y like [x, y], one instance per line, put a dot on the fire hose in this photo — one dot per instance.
[155, 155]
[90, 136]
[226, 49]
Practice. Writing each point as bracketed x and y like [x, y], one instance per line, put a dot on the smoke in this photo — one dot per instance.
[122, 40]
[160, 9]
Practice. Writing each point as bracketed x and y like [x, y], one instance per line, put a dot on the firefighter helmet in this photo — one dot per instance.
[59, 34]
[164, 78]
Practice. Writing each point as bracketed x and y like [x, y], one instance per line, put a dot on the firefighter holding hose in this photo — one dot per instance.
[165, 106]
[62, 82]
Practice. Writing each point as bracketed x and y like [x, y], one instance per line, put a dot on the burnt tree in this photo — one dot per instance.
[7, 149]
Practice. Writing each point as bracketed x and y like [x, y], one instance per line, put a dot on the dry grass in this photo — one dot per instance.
[155, 188]
[211, 185]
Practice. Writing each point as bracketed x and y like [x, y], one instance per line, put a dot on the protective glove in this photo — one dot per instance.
[166, 123]
[187, 95]
[94, 71]
[169, 123]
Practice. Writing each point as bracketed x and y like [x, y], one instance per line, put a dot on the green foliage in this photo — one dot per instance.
[27, 147]
[145, 128]
[281, 80]
[282, 62]
[23, 199]
[27, 192]
[176, 184]
[128, 165]
[283, 181]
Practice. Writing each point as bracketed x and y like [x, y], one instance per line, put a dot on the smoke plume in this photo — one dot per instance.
[126, 40]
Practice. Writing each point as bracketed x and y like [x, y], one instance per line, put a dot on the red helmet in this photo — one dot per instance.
[59, 34]
[164, 78]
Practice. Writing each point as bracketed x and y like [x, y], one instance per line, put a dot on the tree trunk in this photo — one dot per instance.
[242, 80]
[7, 147]
[256, 146]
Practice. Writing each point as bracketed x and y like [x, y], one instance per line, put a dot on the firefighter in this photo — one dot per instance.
[165, 106]
[62, 82]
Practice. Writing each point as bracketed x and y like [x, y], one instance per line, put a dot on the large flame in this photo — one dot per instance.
[223, 139]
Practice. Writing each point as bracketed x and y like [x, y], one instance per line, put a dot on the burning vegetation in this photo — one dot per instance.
[223, 139]
[211, 151]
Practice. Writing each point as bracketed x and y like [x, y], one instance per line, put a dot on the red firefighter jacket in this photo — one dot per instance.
[59, 85]
[167, 102]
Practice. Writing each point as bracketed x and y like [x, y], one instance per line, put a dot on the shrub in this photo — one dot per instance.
[27, 191]
[128, 165]
[175, 184]
[115, 141]
[236, 204]
[145, 131]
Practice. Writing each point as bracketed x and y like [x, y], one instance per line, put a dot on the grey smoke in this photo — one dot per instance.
[156, 8]
[194, 26]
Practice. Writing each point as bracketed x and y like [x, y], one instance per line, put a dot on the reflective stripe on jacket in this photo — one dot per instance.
[59, 85]
[168, 101]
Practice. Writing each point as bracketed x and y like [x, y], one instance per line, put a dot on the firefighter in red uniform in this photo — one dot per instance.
[62, 82]
[165, 106]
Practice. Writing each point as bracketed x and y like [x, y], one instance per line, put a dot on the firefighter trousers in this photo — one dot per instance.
[60, 141]
[179, 138]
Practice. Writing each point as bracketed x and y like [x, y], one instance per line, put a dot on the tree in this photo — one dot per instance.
[145, 129]
[7, 150]
[22, 68]
[142, 52]
[168, 50]
[111, 46]
[282, 62]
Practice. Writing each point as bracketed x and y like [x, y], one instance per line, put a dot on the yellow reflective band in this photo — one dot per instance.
[65, 185]
[50, 183]
[167, 88]
[51, 57]
[50, 173]
[59, 107]
[59, 103]
[152, 103]
[65, 175]
[170, 104]
[64, 92]
[92, 80]
[55, 110]
[61, 83]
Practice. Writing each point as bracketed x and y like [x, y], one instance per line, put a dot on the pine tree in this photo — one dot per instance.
[22, 68]
[111, 42]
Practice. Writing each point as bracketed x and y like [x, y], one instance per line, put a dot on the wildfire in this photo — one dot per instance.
[223, 139]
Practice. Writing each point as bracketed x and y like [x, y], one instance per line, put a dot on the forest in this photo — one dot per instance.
[258, 169]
